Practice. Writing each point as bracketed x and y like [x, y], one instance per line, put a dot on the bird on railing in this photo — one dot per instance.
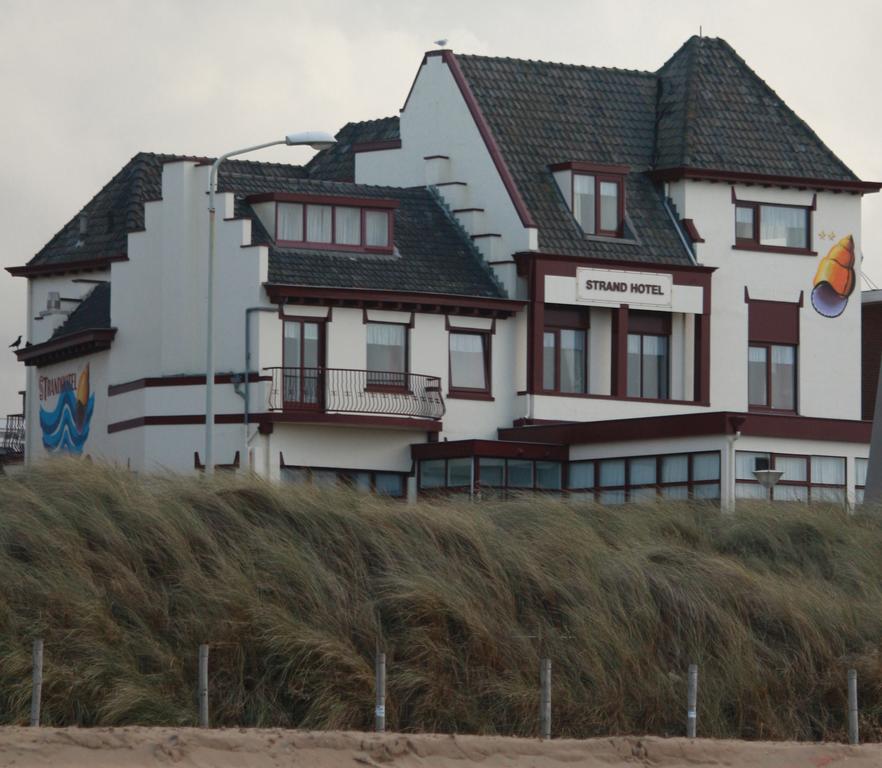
[16, 344]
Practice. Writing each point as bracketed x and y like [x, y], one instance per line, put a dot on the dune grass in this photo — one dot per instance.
[124, 576]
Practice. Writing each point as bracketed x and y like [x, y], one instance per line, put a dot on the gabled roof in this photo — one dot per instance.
[715, 112]
[432, 253]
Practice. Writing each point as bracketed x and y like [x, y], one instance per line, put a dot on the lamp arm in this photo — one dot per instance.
[212, 181]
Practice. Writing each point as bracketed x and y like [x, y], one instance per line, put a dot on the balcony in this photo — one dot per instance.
[345, 390]
[12, 437]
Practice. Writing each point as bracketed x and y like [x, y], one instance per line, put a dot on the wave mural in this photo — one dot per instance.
[66, 427]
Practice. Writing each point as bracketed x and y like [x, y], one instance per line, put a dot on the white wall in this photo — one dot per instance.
[829, 348]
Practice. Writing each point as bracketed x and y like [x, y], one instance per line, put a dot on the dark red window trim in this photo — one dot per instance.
[404, 374]
[472, 393]
[342, 480]
[753, 243]
[808, 483]
[767, 345]
[333, 245]
[615, 178]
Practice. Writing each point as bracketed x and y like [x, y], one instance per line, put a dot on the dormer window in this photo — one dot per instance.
[595, 194]
[323, 222]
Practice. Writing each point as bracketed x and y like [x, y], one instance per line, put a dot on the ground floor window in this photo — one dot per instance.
[860, 479]
[370, 481]
[805, 478]
[490, 474]
[646, 478]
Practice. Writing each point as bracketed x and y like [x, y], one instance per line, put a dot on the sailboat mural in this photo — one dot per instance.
[66, 427]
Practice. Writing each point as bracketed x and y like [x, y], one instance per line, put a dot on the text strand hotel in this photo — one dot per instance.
[617, 284]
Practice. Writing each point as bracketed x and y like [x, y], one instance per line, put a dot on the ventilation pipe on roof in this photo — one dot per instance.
[84, 224]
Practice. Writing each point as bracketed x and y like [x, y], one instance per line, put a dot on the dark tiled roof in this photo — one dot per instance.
[92, 312]
[338, 162]
[432, 252]
[542, 113]
[716, 113]
[712, 112]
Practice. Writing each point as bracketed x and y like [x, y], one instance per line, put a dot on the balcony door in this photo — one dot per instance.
[303, 360]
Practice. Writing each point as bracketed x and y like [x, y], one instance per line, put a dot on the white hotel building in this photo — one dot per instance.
[614, 284]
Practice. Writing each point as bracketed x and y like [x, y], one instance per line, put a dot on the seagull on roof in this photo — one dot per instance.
[16, 344]
[442, 42]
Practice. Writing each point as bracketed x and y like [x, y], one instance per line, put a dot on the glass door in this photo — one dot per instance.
[303, 353]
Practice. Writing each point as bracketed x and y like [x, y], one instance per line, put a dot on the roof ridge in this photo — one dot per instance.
[563, 64]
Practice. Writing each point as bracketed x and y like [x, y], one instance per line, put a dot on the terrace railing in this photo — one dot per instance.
[347, 390]
[13, 435]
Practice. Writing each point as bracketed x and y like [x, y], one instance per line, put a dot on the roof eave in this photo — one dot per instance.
[854, 186]
[67, 347]
[99, 263]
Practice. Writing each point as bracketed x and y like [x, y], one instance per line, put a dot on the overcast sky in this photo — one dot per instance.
[87, 84]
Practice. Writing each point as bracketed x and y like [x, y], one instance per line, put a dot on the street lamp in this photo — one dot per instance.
[316, 140]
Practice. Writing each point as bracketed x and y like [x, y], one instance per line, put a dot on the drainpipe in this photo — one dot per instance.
[248, 312]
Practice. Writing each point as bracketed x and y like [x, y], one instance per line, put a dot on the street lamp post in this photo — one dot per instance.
[316, 140]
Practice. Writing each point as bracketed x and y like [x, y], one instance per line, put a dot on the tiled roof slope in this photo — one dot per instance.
[92, 312]
[338, 162]
[432, 253]
[543, 113]
[716, 113]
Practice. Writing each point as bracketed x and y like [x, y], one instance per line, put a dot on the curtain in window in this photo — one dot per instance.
[389, 484]
[675, 492]
[675, 469]
[548, 475]
[386, 347]
[459, 473]
[706, 466]
[655, 367]
[572, 361]
[347, 226]
[745, 463]
[520, 473]
[290, 222]
[581, 474]
[784, 378]
[709, 491]
[634, 358]
[642, 471]
[492, 472]
[583, 201]
[467, 361]
[793, 467]
[790, 493]
[318, 223]
[549, 345]
[432, 473]
[860, 471]
[829, 495]
[376, 225]
[756, 376]
[785, 227]
[609, 206]
[750, 491]
[744, 223]
[828, 470]
[612, 472]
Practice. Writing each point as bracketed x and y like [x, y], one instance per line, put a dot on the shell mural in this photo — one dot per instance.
[66, 426]
[834, 280]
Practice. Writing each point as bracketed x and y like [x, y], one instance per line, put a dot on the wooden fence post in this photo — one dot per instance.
[37, 682]
[692, 702]
[853, 736]
[380, 708]
[203, 685]
[545, 698]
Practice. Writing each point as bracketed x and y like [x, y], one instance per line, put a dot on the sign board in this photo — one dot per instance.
[614, 287]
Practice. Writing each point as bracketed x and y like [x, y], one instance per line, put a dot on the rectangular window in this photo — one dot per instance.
[775, 227]
[771, 376]
[583, 201]
[520, 473]
[459, 473]
[597, 204]
[469, 361]
[350, 226]
[318, 223]
[376, 225]
[289, 225]
[860, 479]
[609, 206]
[648, 366]
[803, 478]
[565, 350]
[390, 484]
[347, 223]
[492, 472]
[386, 354]
[302, 356]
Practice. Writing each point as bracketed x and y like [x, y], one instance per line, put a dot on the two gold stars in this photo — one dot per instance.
[830, 235]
